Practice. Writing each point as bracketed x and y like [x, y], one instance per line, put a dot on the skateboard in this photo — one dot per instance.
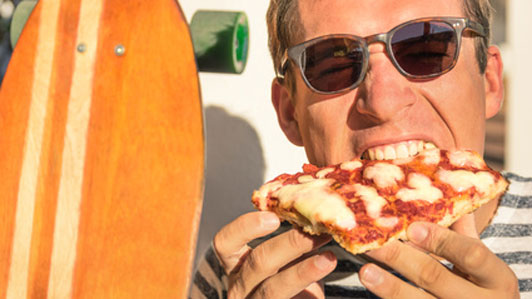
[220, 38]
[101, 152]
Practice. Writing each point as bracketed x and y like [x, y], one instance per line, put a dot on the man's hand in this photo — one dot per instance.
[276, 268]
[478, 272]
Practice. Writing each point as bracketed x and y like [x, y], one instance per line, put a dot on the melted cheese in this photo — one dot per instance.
[305, 178]
[372, 200]
[431, 156]
[322, 173]
[384, 174]
[351, 165]
[465, 158]
[461, 180]
[314, 201]
[388, 222]
[422, 189]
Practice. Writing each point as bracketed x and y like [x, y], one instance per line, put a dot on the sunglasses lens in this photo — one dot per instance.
[425, 48]
[333, 64]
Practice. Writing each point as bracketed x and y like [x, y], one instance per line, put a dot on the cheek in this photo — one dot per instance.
[318, 123]
[325, 132]
[470, 94]
[461, 105]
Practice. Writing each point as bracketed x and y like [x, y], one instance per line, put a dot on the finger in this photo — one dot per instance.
[424, 271]
[230, 243]
[300, 277]
[386, 285]
[270, 256]
[314, 291]
[466, 226]
[469, 255]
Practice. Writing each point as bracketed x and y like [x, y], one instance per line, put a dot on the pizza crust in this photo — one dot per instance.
[329, 200]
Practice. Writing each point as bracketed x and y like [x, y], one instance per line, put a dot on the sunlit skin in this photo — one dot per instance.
[387, 108]
[449, 110]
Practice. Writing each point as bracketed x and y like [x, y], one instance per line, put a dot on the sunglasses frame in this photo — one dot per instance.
[295, 53]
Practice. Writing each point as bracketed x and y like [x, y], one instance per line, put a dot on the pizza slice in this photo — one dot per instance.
[366, 204]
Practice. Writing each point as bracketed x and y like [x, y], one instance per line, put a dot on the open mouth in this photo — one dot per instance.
[398, 150]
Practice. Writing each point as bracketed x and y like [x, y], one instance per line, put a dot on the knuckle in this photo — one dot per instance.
[264, 291]
[257, 261]
[295, 238]
[240, 284]
[475, 256]
[224, 236]
[392, 253]
[430, 274]
[395, 293]
[236, 288]
[254, 260]
[439, 243]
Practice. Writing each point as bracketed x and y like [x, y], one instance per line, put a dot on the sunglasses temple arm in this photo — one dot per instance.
[283, 66]
[476, 27]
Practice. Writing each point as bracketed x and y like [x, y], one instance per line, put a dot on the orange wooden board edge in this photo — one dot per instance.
[116, 151]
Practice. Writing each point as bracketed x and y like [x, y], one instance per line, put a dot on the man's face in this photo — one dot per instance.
[388, 113]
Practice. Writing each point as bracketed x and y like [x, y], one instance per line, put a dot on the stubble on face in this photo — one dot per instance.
[447, 111]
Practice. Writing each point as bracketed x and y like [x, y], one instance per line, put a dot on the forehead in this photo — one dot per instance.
[367, 17]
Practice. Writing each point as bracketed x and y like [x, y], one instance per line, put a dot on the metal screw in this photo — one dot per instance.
[120, 50]
[82, 47]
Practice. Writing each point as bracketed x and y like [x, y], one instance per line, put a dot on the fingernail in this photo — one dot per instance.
[371, 275]
[269, 221]
[417, 233]
[323, 261]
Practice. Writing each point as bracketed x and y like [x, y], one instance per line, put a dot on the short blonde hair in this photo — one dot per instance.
[285, 27]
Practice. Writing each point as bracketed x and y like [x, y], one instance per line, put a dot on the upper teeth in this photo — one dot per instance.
[398, 150]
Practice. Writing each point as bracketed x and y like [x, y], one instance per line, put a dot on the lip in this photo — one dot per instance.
[381, 142]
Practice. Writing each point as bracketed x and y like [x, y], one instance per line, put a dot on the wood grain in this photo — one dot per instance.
[49, 175]
[113, 148]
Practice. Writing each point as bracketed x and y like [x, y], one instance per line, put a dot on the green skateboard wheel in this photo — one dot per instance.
[20, 16]
[221, 40]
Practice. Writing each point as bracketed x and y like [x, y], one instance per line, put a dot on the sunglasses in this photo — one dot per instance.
[419, 49]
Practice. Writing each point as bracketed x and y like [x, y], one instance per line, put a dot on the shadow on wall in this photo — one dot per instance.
[235, 167]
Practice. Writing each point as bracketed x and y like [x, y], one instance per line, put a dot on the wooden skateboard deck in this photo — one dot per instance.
[101, 153]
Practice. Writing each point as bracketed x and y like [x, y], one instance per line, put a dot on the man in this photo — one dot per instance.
[350, 96]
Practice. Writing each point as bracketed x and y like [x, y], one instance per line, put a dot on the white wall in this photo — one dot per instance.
[518, 63]
[248, 95]
[245, 146]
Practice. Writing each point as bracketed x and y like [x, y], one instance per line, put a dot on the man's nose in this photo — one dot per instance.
[385, 93]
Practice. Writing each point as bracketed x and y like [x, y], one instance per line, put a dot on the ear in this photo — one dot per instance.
[283, 103]
[493, 83]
